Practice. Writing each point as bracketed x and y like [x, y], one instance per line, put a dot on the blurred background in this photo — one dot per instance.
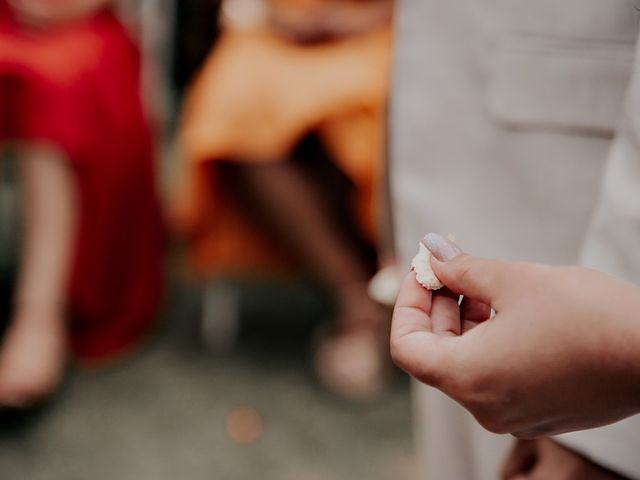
[196, 262]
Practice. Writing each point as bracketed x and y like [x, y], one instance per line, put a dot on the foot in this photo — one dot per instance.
[32, 358]
[385, 285]
[352, 361]
[352, 366]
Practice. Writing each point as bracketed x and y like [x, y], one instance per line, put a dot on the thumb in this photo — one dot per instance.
[475, 278]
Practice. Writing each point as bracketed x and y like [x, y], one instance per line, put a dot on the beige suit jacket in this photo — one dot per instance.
[503, 120]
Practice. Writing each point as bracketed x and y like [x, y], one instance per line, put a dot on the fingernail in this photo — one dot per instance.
[440, 247]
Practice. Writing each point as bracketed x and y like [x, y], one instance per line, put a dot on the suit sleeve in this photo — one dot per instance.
[612, 245]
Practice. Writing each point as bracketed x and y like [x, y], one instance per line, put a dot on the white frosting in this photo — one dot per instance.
[421, 264]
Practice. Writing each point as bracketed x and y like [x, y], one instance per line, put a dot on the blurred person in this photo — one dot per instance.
[502, 121]
[90, 271]
[255, 197]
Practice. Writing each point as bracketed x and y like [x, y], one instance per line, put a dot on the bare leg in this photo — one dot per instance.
[34, 349]
[291, 206]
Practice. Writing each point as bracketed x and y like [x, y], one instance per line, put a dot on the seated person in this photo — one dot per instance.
[281, 72]
[90, 270]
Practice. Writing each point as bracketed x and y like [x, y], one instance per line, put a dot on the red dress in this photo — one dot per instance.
[77, 86]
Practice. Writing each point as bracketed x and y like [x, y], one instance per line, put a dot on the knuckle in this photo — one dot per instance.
[463, 261]
[465, 273]
[463, 267]
[477, 272]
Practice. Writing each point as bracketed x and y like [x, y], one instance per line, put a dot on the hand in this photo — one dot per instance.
[40, 13]
[562, 352]
[545, 459]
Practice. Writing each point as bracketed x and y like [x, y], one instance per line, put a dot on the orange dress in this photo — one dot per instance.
[257, 96]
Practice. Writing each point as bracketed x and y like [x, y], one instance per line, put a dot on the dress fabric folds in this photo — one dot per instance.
[76, 86]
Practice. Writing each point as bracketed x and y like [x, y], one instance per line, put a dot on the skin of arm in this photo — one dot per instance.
[562, 352]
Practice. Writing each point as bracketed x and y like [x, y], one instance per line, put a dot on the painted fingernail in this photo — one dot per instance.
[440, 247]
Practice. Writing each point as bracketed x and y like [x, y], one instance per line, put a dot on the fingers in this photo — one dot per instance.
[445, 313]
[413, 305]
[520, 461]
[466, 275]
[414, 346]
[410, 322]
[473, 277]
[423, 310]
[473, 312]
